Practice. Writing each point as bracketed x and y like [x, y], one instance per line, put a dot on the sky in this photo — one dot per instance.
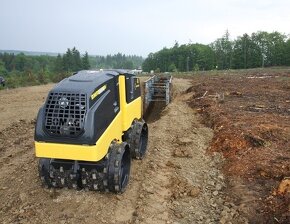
[132, 26]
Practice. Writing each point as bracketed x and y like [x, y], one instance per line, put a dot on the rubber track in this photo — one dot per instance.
[87, 177]
[134, 139]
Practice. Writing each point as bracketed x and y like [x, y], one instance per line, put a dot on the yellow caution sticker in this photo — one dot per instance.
[98, 92]
[137, 83]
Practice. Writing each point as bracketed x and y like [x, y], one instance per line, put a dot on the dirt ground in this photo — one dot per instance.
[177, 182]
[21, 103]
[250, 116]
[218, 153]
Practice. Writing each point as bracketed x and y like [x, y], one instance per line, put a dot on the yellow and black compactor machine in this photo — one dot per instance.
[89, 129]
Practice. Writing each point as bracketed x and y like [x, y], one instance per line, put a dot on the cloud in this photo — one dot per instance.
[132, 27]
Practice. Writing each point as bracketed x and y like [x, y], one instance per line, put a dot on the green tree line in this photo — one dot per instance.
[119, 61]
[181, 58]
[260, 49]
[24, 70]
[71, 61]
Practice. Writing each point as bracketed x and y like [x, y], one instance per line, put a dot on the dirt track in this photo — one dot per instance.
[176, 182]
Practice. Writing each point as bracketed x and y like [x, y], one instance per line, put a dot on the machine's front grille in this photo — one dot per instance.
[65, 113]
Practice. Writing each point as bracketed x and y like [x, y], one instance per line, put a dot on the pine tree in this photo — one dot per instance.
[58, 65]
[77, 62]
[68, 61]
[86, 62]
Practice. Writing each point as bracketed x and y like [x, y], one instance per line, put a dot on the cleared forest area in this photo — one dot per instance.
[218, 153]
